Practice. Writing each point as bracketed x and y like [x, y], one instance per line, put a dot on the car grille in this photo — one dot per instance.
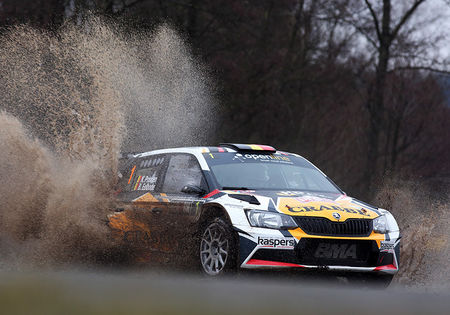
[325, 227]
[337, 252]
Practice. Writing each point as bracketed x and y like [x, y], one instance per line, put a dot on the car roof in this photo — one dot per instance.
[223, 148]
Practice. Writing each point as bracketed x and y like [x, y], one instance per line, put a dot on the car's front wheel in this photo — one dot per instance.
[217, 248]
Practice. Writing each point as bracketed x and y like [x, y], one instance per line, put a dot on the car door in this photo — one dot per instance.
[139, 220]
[183, 209]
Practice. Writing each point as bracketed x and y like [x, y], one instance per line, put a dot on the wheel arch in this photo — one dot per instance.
[213, 210]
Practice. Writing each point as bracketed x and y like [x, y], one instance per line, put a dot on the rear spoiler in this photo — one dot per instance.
[249, 147]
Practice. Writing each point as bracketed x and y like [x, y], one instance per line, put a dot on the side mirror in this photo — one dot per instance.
[193, 190]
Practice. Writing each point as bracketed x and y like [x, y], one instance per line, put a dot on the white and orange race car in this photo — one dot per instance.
[249, 206]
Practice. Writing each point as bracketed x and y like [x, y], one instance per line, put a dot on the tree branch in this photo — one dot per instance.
[375, 19]
[362, 32]
[406, 17]
[413, 68]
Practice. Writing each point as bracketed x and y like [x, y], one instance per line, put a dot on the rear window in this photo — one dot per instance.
[145, 174]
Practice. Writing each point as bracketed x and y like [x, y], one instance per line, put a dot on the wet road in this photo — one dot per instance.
[106, 292]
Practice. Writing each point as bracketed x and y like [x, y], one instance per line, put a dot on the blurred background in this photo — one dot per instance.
[361, 88]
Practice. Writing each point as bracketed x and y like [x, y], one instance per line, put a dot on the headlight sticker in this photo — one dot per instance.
[387, 246]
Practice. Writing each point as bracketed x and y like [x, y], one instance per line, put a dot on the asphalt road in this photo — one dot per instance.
[153, 292]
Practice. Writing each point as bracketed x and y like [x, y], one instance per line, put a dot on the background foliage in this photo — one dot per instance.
[356, 86]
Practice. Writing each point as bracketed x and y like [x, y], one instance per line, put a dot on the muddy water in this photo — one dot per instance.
[71, 101]
[423, 215]
[52, 209]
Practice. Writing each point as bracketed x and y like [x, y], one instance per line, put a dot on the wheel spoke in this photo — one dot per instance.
[210, 235]
[223, 251]
[221, 260]
[205, 245]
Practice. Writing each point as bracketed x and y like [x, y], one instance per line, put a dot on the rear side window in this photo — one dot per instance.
[146, 174]
[183, 169]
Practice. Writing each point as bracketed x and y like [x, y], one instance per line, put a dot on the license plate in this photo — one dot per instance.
[336, 251]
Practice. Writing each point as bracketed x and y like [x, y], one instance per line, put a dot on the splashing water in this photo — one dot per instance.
[70, 102]
[51, 209]
[423, 218]
[176, 87]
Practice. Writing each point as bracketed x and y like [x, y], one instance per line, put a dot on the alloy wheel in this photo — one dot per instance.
[214, 249]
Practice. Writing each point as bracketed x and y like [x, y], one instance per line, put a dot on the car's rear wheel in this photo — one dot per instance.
[217, 248]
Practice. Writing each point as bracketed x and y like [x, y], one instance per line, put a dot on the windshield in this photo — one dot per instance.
[263, 171]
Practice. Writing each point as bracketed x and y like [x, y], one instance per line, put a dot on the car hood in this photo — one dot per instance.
[335, 207]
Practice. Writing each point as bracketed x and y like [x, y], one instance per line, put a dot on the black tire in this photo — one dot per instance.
[217, 248]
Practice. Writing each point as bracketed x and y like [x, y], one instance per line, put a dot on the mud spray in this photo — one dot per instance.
[423, 214]
[70, 102]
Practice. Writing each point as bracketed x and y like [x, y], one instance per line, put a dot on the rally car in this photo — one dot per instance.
[248, 206]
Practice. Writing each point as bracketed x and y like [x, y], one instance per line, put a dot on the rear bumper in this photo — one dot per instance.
[276, 249]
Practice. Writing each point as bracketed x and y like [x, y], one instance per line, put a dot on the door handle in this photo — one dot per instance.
[157, 210]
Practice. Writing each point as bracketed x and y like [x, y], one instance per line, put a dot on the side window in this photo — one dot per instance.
[125, 169]
[183, 169]
[146, 174]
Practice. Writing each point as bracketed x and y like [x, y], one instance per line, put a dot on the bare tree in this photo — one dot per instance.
[388, 28]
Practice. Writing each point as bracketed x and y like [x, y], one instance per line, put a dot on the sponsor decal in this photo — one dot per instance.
[148, 197]
[310, 198]
[151, 162]
[164, 197]
[192, 207]
[261, 157]
[234, 206]
[326, 207]
[131, 175]
[288, 193]
[342, 251]
[146, 182]
[276, 242]
[386, 246]
[137, 183]
[344, 197]
[212, 193]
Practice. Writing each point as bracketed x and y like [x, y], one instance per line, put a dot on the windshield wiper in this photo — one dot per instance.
[234, 188]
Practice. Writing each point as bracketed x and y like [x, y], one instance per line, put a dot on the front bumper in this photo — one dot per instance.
[261, 248]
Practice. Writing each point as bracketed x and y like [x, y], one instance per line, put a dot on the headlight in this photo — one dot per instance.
[380, 224]
[271, 220]
[385, 222]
